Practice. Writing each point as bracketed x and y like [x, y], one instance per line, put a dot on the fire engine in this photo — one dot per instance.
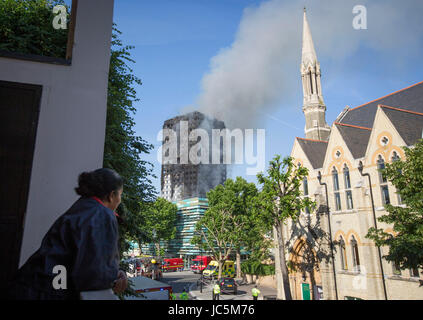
[173, 264]
[200, 263]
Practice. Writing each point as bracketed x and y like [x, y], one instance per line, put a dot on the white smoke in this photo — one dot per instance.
[261, 67]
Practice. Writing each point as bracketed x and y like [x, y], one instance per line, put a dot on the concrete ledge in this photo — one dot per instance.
[35, 58]
[401, 278]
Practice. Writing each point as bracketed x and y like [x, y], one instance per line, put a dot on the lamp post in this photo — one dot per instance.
[319, 177]
[360, 169]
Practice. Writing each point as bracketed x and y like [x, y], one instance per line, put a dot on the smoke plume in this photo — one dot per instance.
[261, 68]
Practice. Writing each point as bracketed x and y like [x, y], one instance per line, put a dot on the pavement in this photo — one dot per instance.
[244, 292]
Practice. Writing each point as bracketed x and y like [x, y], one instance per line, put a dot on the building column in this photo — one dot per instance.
[304, 85]
[319, 85]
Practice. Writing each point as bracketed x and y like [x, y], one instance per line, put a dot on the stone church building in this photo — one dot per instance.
[373, 134]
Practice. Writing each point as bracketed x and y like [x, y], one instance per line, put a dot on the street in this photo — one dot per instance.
[180, 280]
[188, 280]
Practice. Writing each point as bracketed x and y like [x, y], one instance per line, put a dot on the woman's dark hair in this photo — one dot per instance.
[99, 183]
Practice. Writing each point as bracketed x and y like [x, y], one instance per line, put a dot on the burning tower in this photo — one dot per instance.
[183, 178]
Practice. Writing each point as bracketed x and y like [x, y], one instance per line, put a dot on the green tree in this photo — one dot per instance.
[406, 246]
[280, 200]
[158, 220]
[214, 231]
[122, 149]
[26, 27]
[231, 222]
[248, 231]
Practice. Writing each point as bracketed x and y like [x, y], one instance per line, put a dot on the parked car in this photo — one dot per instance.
[228, 285]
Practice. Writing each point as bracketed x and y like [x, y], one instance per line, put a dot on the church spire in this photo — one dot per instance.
[313, 105]
[309, 54]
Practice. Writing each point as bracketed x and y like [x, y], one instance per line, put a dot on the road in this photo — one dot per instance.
[180, 280]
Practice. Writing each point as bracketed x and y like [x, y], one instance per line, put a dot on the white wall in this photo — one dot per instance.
[71, 127]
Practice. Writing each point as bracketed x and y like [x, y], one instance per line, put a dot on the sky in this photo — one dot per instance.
[240, 60]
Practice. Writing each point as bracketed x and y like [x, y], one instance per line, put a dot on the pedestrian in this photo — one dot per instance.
[255, 292]
[84, 240]
[216, 292]
[183, 295]
[172, 296]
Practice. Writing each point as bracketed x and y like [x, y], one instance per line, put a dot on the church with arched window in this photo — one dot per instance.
[329, 255]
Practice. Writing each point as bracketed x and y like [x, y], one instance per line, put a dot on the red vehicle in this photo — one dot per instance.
[200, 263]
[173, 264]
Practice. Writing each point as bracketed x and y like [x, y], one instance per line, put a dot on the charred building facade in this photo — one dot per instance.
[192, 173]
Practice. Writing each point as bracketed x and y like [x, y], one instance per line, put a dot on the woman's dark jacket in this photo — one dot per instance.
[85, 241]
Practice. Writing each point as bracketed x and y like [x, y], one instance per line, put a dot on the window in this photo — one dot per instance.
[380, 167]
[355, 255]
[384, 141]
[349, 200]
[347, 177]
[336, 189]
[348, 192]
[335, 179]
[305, 186]
[383, 182]
[311, 83]
[395, 156]
[342, 254]
[385, 195]
[338, 201]
[305, 189]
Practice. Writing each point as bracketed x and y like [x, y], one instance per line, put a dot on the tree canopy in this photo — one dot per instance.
[26, 27]
[157, 221]
[122, 149]
[231, 223]
[281, 199]
[214, 231]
